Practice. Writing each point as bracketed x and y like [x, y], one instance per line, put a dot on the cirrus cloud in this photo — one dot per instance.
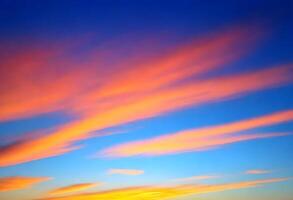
[129, 172]
[20, 182]
[73, 188]
[200, 139]
[99, 99]
[257, 171]
[163, 193]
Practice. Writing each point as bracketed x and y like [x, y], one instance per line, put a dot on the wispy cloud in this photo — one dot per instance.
[129, 172]
[151, 105]
[168, 82]
[197, 178]
[37, 70]
[200, 139]
[19, 182]
[73, 188]
[257, 171]
[160, 193]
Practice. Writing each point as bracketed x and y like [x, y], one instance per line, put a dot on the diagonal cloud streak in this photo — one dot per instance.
[201, 138]
[129, 172]
[19, 182]
[73, 188]
[160, 193]
[257, 171]
[101, 99]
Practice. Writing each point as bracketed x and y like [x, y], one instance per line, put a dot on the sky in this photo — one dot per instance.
[146, 100]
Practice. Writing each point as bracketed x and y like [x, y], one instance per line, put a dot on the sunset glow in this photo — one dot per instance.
[146, 100]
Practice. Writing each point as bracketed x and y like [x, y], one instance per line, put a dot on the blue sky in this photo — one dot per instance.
[167, 93]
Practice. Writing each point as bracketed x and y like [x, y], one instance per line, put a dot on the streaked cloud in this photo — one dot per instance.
[19, 182]
[160, 192]
[73, 188]
[197, 178]
[145, 106]
[200, 139]
[168, 82]
[257, 171]
[37, 69]
[129, 172]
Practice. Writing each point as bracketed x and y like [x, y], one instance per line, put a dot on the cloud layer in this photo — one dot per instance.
[73, 188]
[145, 86]
[19, 182]
[257, 171]
[160, 192]
[200, 139]
[129, 172]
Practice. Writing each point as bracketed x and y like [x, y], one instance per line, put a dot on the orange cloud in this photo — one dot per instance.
[102, 99]
[162, 193]
[129, 172]
[257, 171]
[201, 138]
[73, 188]
[147, 105]
[33, 82]
[52, 88]
[19, 182]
